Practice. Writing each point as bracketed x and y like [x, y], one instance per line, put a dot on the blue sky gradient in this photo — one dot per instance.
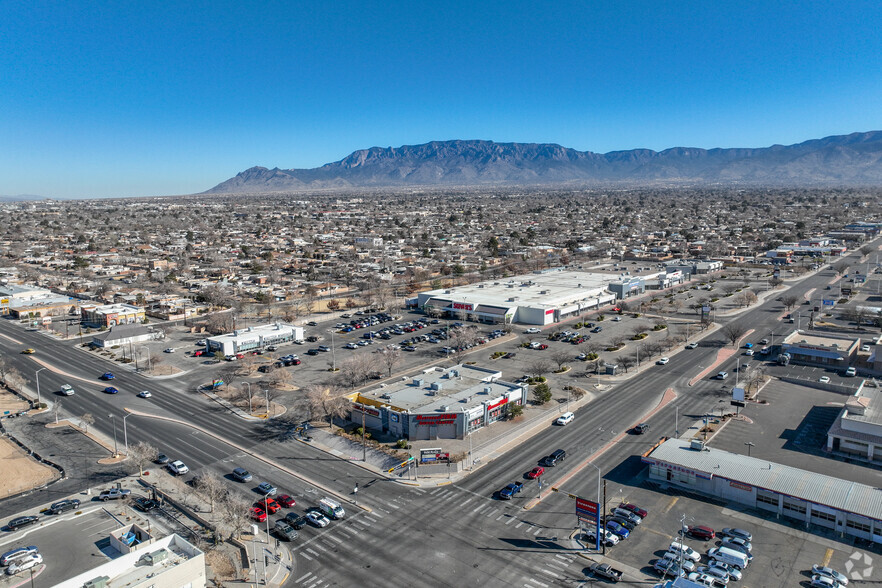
[104, 99]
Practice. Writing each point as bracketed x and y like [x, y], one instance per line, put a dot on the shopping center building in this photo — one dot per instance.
[437, 403]
[253, 338]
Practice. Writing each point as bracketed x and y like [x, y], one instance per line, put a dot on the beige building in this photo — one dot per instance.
[110, 315]
[144, 561]
[858, 428]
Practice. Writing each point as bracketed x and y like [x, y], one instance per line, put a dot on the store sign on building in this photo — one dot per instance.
[435, 419]
[740, 486]
[498, 404]
[366, 409]
[463, 306]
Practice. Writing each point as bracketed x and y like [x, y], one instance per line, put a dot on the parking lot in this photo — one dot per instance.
[792, 429]
[784, 552]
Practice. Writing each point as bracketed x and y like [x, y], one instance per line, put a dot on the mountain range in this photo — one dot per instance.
[842, 160]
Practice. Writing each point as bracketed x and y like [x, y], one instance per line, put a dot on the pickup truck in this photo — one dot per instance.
[605, 571]
[114, 494]
[509, 491]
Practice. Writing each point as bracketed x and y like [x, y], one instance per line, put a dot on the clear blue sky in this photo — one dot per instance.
[147, 98]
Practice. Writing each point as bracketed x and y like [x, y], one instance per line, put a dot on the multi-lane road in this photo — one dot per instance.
[457, 534]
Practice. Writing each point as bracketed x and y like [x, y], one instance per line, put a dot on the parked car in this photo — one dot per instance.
[161, 459]
[731, 572]
[701, 532]
[64, 506]
[738, 544]
[23, 521]
[533, 331]
[25, 563]
[736, 532]
[114, 494]
[17, 553]
[819, 581]
[168, 350]
[824, 379]
[635, 509]
[145, 504]
[829, 572]
[692, 346]
[618, 529]
[178, 468]
[627, 515]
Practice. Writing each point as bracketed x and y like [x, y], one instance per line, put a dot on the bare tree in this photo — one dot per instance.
[561, 357]
[626, 361]
[87, 421]
[789, 301]
[390, 358]
[841, 268]
[461, 338]
[539, 367]
[745, 298]
[234, 511]
[733, 332]
[141, 454]
[326, 401]
[212, 488]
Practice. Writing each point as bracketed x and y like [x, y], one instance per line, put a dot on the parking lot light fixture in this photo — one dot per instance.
[749, 445]
[37, 376]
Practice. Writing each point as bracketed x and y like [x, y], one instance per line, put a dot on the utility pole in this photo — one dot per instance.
[363, 442]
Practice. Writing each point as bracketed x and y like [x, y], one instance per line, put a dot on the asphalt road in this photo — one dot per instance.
[452, 535]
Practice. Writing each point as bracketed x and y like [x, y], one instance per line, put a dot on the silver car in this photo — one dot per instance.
[24, 563]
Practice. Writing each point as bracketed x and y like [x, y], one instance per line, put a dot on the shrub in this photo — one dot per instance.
[542, 393]
[401, 444]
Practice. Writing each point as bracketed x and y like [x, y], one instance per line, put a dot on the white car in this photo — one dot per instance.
[824, 379]
[724, 568]
[663, 361]
[617, 319]
[722, 375]
[533, 331]
[67, 390]
[178, 468]
[169, 350]
[317, 519]
[748, 352]
[144, 394]
[865, 348]
[819, 581]
[692, 346]
[687, 552]
[830, 573]
[24, 563]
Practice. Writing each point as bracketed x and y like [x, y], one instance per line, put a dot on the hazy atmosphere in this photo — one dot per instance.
[105, 100]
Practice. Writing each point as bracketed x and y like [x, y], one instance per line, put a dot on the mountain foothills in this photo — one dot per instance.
[842, 160]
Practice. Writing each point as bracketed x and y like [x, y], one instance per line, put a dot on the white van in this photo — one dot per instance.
[729, 556]
[688, 553]
[565, 418]
[331, 508]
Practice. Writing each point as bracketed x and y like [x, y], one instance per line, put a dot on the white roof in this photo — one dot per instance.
[819, 489]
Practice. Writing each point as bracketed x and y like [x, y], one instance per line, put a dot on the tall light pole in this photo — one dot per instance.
[37, 375]
[115, 449]
[749, 445]
[333, 353]
[266, 391]
[250, 409]
[600, 510]
[145, 348]
[126, 432]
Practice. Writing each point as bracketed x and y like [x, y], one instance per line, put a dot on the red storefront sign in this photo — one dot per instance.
[366, 409]
[498, 404]
[435, 419]
[462, 306]
[549, 311]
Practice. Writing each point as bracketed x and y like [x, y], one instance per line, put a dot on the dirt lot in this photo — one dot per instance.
[27, 473]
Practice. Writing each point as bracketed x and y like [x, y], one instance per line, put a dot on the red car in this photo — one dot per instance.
[269, 505]
[198, 353]
[258, 514]
[635, 509]
[701, 532]
[535, 472]
[285, 501]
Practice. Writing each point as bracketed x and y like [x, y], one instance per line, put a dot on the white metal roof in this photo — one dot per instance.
[819, 489]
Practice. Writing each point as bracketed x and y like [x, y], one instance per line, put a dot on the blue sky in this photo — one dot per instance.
[131, 98]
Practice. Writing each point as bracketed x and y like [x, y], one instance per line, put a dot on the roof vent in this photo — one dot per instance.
[466, 399]
[445, 408]
[488, 389]
[386, 396]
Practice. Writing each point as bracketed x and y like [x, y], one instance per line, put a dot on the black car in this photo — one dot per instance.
[312, 352]
[145, 504]
[64, 505]
[641, 428]
[622, 521]
[161, 459]
[556, 457]
[19, 522]
[597, 329]
[295, 520]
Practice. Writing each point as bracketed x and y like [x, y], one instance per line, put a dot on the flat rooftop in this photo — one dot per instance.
[819, 489]
[553, 288]
[800, 338]
[463, 387]
[872, 402]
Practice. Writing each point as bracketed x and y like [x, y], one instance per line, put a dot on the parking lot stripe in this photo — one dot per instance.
[466, 501]
[335, 538]
[549, 572]
[436, 490]
[510, 520]
[535, 582]
[479, 507]
[827, 556]
[670, 504]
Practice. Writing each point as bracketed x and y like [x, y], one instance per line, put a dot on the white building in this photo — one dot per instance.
[540, 298]
[141, 561]
[254, 338]
[438, 403]
[369, 241]
[858, 428]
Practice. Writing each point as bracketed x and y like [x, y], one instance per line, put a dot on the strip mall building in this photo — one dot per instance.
[438, 403]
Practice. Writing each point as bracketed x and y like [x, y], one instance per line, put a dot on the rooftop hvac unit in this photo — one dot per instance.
[445, 408]
[543, 291]
[454, 373]
[488, 389]
[436, 385]
[99, 582]
[156, 557]
[466, 399]
[697, 445]
[386, 396]
[480, 285]
[417, 381]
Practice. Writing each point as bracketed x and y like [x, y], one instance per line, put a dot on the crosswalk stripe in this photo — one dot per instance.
[304, 556]
[559, 556]
[510, 520]
[335, 538]
[302, 578]
[549, 572]
[313, 551]
[436, 490]
[535, 582]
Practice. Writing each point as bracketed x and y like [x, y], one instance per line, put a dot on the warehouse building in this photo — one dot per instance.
[254, 338]
[438, 403]
[833, 503]
[540, 298]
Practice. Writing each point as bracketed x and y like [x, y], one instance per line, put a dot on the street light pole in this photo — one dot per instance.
[600, 511]
[250, 410]
[37, 375]
[266, 392]
[749, 445]
[333, 353]
[126, 433]
[115, 449]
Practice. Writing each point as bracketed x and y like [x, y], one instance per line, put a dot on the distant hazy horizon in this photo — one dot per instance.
[139, 100]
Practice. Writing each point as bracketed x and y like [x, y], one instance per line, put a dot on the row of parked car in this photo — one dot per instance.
[618, 524]
[20, 559]
[725, 562]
